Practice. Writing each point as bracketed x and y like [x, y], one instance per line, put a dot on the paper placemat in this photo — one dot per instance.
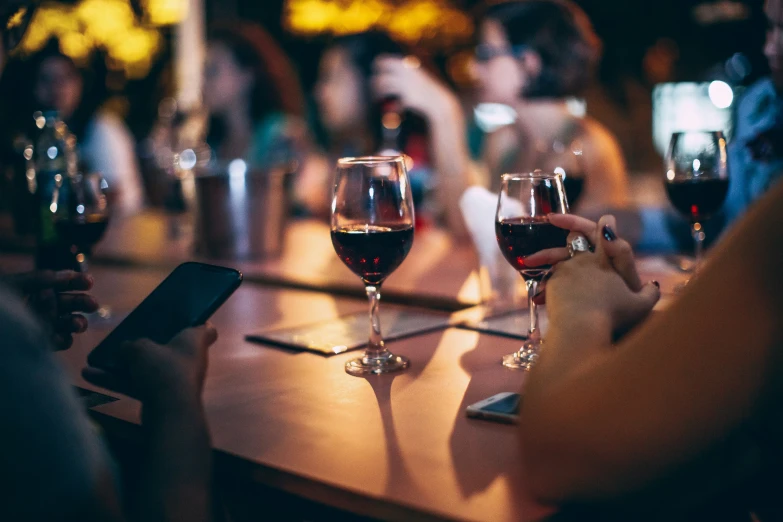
[514, 324]
[351, 332]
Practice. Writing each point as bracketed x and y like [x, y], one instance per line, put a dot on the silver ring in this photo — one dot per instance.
[578, 244]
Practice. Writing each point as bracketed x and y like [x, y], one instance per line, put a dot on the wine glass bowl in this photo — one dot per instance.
[523, 229]
[83, 222]
[372, 232]
[697, 179]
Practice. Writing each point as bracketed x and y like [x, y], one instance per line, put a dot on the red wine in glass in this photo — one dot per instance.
[83, 234]
[698, 199]
[373, 251]
[520, 238]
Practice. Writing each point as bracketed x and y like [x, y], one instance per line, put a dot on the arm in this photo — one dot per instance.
[691, 376]
[420, 92]
[175, 483]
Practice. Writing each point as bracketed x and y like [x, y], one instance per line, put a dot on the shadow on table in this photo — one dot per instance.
[399, 478]
[479, 448]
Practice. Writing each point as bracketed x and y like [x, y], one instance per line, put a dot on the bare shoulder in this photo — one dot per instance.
[598, 138]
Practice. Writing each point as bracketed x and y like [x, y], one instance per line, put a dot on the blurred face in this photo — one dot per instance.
[500, 76]
[226, 83]
[774, 46]
[339, 92]
[58, 86]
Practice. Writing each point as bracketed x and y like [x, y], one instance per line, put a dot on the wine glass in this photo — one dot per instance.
[86, 218]
[372, 233]
[523, 229]
[697, 179]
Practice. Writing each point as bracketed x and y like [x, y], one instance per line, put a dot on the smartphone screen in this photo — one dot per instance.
[186, 298]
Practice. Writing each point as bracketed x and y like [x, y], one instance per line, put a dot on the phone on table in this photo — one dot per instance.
[186, 298]
[503, 407]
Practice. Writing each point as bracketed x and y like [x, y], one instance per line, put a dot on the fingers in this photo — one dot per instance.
[199, 337]
[646, 299]
[62, 281]
[618, 252]
[550, 256]
[62, 341]
[68, 303]
[577, 224]
[71, 324]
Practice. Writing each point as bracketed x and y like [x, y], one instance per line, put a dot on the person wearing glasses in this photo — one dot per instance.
[54, 466]
[532, 56]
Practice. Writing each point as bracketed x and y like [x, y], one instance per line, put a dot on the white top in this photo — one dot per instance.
[109, 148]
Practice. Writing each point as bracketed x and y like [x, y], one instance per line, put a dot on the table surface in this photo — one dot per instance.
[394, 447]
[437, 273]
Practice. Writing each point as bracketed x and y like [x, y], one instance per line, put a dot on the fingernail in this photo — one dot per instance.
[657, 284]
[609, 234]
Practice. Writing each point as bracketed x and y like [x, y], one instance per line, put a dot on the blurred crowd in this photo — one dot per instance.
[535, 65]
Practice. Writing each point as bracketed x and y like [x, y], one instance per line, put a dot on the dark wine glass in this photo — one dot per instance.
[697, 179]
[86, 217]
[523, 229]
[372, 233]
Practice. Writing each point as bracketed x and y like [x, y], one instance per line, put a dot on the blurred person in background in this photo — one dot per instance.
[755, 157]
[532, 56]
[352, 113]
[105, 143]
[253, 98]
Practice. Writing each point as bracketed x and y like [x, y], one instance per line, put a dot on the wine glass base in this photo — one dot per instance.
[372, 366]
[515, 361]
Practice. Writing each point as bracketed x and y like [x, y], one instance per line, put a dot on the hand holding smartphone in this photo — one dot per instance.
[188, 297]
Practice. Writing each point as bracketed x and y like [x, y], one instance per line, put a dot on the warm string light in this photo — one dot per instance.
[130, 43]
[412, 21]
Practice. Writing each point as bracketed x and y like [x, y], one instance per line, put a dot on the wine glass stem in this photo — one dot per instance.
[532, 289]
[376, 347]
[697, 231]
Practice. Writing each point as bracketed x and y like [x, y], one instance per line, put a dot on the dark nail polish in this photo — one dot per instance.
[657, 284]
[609, 234]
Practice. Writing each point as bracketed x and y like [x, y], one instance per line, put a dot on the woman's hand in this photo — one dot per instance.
[58, 298]
[602, 285]
[416, 89]
[162, 376]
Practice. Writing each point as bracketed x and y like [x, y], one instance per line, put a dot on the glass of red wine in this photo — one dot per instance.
[372, 233]
[523, 229]
[697, 179]
[86, 218]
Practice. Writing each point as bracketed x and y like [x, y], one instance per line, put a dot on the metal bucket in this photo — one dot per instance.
[242, 214]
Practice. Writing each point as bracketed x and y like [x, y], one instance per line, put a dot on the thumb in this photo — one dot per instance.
[647, 297]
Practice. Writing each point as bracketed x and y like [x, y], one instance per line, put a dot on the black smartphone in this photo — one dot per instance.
[186, 298]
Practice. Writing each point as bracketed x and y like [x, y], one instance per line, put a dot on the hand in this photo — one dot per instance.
[604, 284]
[163, 376]
[618, 251]
[57, 299]
[416, 89]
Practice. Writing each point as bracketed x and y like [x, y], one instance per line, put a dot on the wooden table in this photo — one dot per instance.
[392, 447]
[437, 273]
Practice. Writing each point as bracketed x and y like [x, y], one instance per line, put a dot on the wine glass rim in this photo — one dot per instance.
[369, 160]
[685, 132]
[538, 174]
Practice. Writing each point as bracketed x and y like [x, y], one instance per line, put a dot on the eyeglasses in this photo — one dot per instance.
[15, 20]
[485, 53]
